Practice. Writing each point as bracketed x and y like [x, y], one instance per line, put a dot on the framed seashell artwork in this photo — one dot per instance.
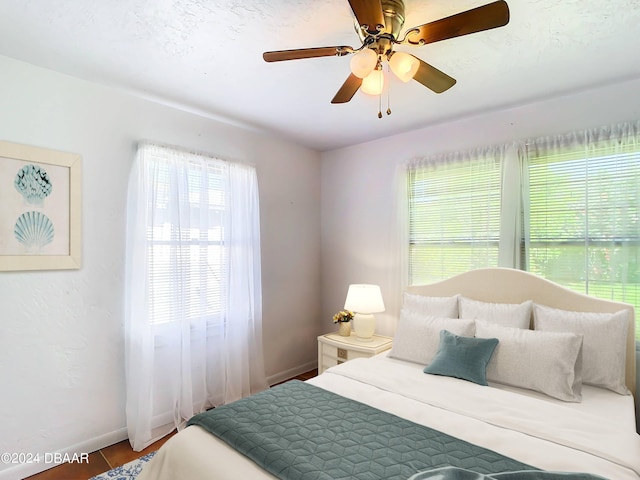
[40, 218]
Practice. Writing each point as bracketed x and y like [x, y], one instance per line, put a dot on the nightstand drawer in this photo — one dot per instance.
[337, 353]
[334, 349]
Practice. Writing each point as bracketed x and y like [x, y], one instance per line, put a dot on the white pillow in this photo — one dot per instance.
[516, 315]
[548, 362]
[605, 342]
[438, 306]
[418, 336]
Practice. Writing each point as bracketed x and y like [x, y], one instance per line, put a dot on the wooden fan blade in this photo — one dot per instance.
[369, 13]
[348, 89]
[489, 16]
[432, 78]
[281, 55]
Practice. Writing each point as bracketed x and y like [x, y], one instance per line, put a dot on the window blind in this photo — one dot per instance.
[454, 218]
[186, 251]
[585, 220]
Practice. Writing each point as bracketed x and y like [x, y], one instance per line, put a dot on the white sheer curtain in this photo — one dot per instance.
[193, 305]
[398, 273]
[514, 214]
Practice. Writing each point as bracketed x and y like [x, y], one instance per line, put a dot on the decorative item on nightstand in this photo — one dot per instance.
[364, 300]
[343, 319]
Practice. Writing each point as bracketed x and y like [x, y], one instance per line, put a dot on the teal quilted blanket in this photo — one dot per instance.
[298, 431]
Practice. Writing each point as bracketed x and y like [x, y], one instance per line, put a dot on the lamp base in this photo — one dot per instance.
[364, 326]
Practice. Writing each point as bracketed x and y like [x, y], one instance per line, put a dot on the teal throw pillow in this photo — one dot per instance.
[462, 357]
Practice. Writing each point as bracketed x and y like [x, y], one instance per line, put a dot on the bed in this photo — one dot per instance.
[549, 405]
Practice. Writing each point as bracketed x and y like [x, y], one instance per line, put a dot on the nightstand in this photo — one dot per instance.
[334, 349]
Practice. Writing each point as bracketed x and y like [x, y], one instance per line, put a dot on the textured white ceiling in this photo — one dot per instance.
[207, 55]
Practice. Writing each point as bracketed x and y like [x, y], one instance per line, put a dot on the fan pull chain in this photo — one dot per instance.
[380, 106]
[380, 96]
[389, 95]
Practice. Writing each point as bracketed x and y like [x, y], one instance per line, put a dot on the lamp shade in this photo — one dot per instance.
[363, 62]
[404, 66]
[364, 298]
[373, 83]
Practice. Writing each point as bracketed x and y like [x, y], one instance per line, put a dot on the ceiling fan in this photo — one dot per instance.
[378, 24]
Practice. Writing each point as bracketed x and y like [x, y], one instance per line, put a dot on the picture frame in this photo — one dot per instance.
[40, 208]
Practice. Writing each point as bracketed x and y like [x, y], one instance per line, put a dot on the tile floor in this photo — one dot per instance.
[110, 457]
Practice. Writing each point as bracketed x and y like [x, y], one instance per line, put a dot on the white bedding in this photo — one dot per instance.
[596, 436]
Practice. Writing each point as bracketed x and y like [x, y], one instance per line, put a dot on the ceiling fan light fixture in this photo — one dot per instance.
[373, 84]
[377, 45]
[363, 62]
[404, 66]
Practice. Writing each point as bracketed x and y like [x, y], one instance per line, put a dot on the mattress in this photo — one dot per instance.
[595, 436]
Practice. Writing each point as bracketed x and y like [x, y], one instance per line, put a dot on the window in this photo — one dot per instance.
[185, 244]
[454, 217]
[578, 206]
[585, 221]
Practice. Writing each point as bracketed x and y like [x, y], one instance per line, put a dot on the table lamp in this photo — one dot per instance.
[364, 300]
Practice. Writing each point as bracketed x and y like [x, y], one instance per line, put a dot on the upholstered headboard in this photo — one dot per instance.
[505, 285]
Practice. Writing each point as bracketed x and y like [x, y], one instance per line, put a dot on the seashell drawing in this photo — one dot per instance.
[33, 183]
[34, 230]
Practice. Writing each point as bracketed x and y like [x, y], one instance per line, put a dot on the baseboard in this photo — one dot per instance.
[292, 372]
[25, 470]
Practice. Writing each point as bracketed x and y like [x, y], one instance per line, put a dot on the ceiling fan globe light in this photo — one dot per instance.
[373, 83]
[404, 66]
[363, 62]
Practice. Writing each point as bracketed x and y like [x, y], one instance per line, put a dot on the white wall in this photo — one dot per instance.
[358, 196]
[61, 332]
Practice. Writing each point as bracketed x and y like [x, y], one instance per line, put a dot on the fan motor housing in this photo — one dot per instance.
[393, 11]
